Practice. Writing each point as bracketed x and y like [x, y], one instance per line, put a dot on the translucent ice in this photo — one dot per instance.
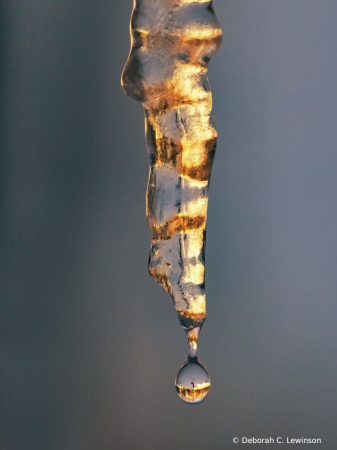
[172, 42]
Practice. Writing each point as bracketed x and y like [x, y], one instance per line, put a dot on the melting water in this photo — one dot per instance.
[193, 381]
[172, 42]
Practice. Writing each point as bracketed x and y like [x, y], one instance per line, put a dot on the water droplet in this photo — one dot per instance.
[193, 381]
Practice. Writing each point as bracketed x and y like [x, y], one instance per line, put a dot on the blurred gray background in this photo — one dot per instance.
[90, 345]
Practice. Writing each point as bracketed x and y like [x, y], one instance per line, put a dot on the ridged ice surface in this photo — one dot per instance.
[172, 42]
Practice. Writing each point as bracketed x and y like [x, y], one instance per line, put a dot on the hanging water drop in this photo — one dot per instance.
[193, 382]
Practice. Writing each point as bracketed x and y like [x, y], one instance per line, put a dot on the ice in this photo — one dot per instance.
[172, 42]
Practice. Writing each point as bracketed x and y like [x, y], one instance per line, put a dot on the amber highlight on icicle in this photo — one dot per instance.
[172, 42]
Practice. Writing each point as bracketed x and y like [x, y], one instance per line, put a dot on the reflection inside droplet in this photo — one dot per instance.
[193, 381]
